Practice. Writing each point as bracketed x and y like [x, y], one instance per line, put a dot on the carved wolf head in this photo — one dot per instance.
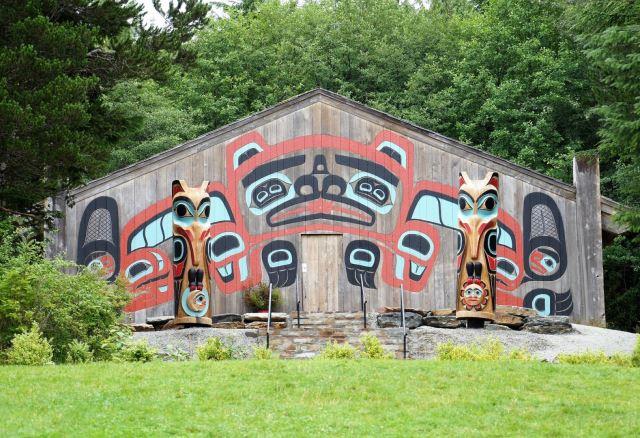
[191, 226]
[478, 222]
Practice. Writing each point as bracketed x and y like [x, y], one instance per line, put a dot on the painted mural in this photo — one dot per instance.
[322, 183]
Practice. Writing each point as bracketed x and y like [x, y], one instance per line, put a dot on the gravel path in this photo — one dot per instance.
[423, 340]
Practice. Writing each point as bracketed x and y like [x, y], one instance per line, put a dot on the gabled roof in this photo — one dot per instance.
[388, 121]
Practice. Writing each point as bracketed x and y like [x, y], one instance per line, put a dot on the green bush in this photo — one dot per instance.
[30, 348]
[119, 337]
[262, 353]
[372, 349]
[257, 297]
[215, 349]
[79, 306]
[334, 350]
[490, 350]
[635, 357]
[176, 354]
[519, 354]
[136, 351]
[78, 352]
[595, 358]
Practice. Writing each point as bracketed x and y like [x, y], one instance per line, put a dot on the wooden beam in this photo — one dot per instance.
[586, 178]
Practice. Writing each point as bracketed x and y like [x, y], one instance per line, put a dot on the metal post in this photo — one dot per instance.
[297, 303]
[404, 325]
[269, 314]
[363, 302]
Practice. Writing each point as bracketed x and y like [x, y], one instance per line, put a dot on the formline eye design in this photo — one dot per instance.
[488, 202]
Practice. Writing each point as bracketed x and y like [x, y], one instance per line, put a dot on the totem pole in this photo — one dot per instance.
[191, 280]
[477, 244]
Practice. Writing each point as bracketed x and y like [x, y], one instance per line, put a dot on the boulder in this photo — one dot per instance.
[550, 325]
[393, 319]
[442, 312]
[496, 327]
[388, 309]
[141, 327]
[226, 317]
[275, 316]
[443, 321]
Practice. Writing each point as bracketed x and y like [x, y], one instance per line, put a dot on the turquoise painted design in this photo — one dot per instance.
[202, 294]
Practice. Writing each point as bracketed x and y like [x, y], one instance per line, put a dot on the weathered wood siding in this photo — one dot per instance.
[383, 185]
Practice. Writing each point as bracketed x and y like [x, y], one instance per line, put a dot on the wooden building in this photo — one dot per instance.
[320, 194]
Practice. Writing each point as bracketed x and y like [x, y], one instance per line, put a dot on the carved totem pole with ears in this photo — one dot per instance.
[191, 227]
[477, 248]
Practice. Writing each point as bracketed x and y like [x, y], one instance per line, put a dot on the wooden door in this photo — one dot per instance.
[321, 262]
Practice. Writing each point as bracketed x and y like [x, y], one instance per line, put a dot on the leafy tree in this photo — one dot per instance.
[66, 307]
[158, 122]
[57, 58]
[516, 87]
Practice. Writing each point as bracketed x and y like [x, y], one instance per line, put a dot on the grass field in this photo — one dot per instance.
[320, 397]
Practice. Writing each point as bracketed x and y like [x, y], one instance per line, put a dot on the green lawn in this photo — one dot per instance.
[320, 397]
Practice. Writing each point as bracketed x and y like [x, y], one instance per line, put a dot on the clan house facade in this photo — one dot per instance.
[323, 194]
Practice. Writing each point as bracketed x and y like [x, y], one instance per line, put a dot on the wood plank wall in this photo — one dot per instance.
[326, 129]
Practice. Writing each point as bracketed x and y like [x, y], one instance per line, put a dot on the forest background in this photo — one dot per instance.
[87, 87]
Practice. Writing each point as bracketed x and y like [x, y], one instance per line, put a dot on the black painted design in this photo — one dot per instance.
[361, 259]
[545, 253]
[547, 302]
[99, 235]
[280, 260]
[395, 155]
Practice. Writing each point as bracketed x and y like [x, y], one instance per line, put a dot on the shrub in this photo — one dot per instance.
[81, 306]
[595, 358]
[635, 356]
[262, 353]
[490, 350]
[214, 349]
[136, 351]
[119, 337]
[519, 354]
[78, 352]
[30, 348]
[334, 350]
[257, 297]
[177, 354]
[372, 349]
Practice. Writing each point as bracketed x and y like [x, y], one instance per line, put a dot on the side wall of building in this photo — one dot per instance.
[325, 168]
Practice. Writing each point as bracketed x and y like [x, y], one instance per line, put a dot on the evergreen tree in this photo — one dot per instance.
[57, 59]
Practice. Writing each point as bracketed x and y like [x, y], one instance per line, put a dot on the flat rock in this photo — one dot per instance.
[158, 321]
[442, 312]
[443, 321]
[226, 317]
[229, 325]
[512, 316]
[394, 319]
[389, 309]
[263, 325]
[275, 316]
[141, 327]
[551, 325]
[496, 327]
[515, 310]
